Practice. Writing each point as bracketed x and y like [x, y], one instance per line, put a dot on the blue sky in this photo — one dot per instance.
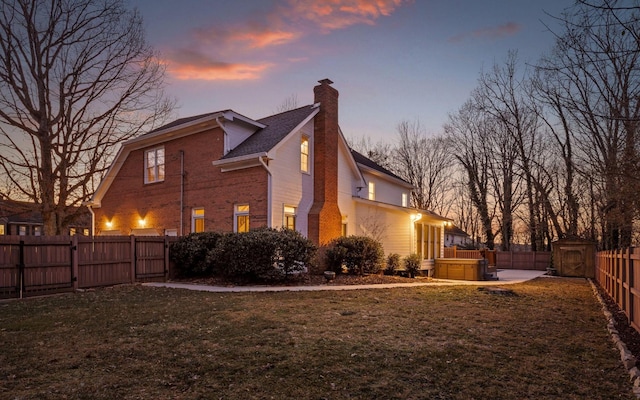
[391, 60]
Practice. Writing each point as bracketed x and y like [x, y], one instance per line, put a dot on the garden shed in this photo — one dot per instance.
[574, 257]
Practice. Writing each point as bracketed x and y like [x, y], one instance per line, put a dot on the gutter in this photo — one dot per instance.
[269, 191]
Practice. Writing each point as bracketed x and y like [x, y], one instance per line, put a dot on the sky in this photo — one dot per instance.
[390, 60]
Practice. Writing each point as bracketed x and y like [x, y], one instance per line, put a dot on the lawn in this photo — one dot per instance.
[548, 341]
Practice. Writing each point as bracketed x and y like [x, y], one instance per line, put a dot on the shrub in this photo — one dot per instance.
[393, 263]
[412, 264]
[189, 253]
[358, 254]
[294, 251]
[263, 254]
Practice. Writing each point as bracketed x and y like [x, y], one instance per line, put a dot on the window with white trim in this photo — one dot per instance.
[154, 165]
[372, 191]
[241, 218]
[197, 220]
[304, 154]
[405, 200]
[289, 217]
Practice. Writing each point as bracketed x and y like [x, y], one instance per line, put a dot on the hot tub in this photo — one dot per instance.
[467, 269]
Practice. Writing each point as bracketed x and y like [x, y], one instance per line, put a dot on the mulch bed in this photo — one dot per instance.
[313, 280]
[627, 333]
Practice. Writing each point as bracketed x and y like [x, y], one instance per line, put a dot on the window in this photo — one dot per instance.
[37, 231]
[154, 165]
[197, 220]
[345, 223]
[405, 200]
[304, 154]
[85, 231]
[372, 191]
[241, 218]
[72, 231]
[290, 217]
[22, 230]
[171, 232]
[2, 230]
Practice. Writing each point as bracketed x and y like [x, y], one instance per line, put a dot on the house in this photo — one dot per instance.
[223, 171]
[25, 219]
[454, 236]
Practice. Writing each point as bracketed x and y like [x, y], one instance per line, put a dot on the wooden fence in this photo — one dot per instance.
[530, 260]
[31, 266]
[615, 273]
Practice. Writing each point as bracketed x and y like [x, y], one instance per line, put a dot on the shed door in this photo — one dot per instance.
[573, 261]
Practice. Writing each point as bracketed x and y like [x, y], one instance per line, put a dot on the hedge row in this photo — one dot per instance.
[260, 255]
[267, 254]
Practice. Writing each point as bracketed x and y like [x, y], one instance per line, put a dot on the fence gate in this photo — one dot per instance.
[33, 266]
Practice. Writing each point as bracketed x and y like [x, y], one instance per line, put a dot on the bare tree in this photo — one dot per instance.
[504, 94]
[596, 61]
[379, 152]
[425, 162]
[288, 104]
[77, 79]
[466, 132]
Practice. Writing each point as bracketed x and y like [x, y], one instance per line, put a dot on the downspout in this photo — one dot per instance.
[269, 183]
[181, 191]
[93, 221]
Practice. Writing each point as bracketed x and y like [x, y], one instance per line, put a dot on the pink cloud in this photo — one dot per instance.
[192, 65]
[495, 32]
[338, 14]
[284, 25]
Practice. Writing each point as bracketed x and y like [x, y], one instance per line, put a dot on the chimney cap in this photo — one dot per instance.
[326, 81]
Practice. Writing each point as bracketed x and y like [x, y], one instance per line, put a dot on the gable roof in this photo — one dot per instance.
[277, 127]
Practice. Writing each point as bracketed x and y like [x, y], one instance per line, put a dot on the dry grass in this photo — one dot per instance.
[549, 341]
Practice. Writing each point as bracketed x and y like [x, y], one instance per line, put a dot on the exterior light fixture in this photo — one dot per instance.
[141, 222]
[416, 217]
[109, 224]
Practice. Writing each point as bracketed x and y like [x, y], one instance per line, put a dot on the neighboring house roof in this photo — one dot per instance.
[277, 128]
[12, 211]
[454, 230]
[23, 212]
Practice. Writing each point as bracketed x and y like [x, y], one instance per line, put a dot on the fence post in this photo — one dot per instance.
[74, 261]
[21, 268]
[166, 257]
[133, 259]
[630, 278]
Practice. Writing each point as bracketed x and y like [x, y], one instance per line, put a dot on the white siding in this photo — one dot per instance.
[289, 185]
[236, 134]
[386, 191]
[392, 227]
[348, 181]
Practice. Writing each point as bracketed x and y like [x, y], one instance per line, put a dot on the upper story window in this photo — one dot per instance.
[304, 154]
[2, 230]
[289, 217]
[405, 200]
[154, 165]
[197, 220]
[241, 218]
[372, 191]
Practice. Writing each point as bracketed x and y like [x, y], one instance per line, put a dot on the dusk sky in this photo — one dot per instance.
[391, 60]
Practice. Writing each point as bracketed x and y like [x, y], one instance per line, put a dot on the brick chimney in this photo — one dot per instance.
[325, 220]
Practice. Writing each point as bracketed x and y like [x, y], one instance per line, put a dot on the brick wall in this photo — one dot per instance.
[129, 199]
